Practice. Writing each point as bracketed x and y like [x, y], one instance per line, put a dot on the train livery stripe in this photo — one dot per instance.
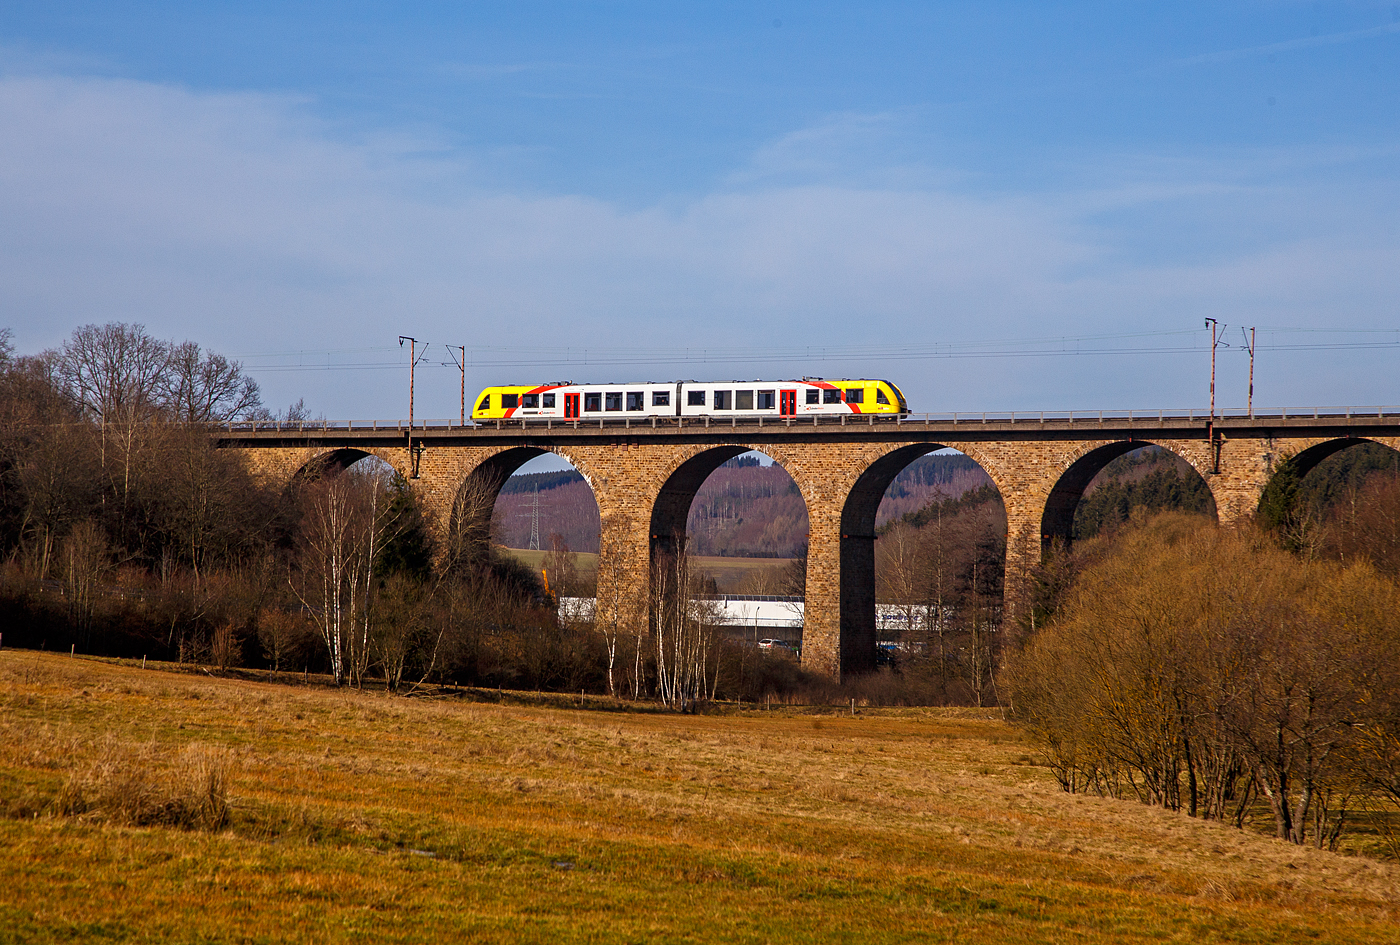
[510, 411]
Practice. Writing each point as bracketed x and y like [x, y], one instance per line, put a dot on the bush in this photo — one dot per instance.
[1197, 667]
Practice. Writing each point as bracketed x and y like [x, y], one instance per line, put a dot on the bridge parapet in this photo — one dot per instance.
[1059, 420]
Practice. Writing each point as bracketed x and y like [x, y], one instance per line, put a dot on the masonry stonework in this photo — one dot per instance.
[644, 486]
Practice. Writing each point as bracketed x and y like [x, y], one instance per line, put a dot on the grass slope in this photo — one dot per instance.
[360, 815]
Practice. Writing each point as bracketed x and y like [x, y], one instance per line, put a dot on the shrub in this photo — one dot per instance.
[1198, 667]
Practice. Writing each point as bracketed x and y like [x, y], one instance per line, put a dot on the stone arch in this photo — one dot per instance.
[1057, 519]
[680, 480]
[683, 478]
[1300, 462]
[335, 461]
[671, 508]
[1306, 460]
[475, 495]
[857, 551]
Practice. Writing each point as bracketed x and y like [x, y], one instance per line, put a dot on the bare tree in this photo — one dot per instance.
[53, 469]
[1197, 667]
[281, 634]
[1301, 662]
[1372, 531]
[207, 388]
[402, 632]
[117, 373]
[295, 413]
[469, 531]
[561, 568]
[205, 505]
[340, 533]
[900, 574]
[611, 613]
[85, 559]
[683, 630]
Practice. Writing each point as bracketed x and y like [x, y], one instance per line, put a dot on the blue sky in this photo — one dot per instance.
[958, 197]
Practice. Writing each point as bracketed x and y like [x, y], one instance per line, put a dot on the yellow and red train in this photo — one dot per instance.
[748, 399]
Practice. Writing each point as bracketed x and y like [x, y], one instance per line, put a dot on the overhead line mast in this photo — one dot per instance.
[1251, 372]
[412, 363]
[462, 364]
[1210, 429]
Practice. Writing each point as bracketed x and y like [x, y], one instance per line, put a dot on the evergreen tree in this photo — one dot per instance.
[407, 550]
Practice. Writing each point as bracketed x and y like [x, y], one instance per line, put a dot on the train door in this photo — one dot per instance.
[787, 403]
[571, 406]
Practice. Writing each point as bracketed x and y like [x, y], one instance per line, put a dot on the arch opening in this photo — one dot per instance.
[671, 513]
[537, 507]
[359, 470]
[740, 523]
[923, 557]
[1338, 499]
[1099, 490]
[334, 462]
[1305, 461]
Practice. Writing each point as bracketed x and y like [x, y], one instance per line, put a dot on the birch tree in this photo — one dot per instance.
[609, 615]
[341, 529]
[686, 646]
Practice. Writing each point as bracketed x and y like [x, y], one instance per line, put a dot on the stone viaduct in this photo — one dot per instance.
[645, 476]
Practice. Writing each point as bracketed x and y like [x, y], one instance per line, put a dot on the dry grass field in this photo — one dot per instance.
[364, 817]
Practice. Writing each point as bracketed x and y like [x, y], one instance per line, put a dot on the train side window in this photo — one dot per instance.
[855, 395]
[831, 396]
[695, 398]
[530, 400]
[722, 400]
[593, 401]
[548, 401]
[612, 400]
[636, 400]
[510, 400]
[880, 397]
[743, 400]
[767, 399]
[814, 396]
[661, 398]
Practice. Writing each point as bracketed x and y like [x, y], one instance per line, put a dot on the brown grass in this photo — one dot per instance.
[131, 786]
[355, 815]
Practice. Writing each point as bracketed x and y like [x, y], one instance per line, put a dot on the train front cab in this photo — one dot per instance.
[858, 396]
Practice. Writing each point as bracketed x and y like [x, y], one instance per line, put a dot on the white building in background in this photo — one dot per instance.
[768, 613]
[577, 609]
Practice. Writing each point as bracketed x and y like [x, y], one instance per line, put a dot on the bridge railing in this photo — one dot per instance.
[954, 418]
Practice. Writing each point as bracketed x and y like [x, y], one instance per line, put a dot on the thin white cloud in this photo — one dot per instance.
[1291, 45]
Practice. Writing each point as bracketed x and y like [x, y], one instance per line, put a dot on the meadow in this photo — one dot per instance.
[518, 817]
